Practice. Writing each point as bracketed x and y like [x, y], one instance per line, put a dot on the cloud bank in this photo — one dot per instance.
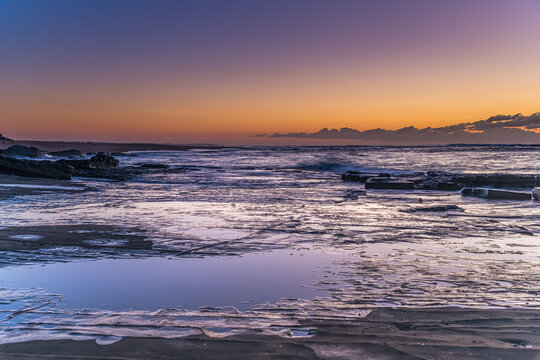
[499, 129]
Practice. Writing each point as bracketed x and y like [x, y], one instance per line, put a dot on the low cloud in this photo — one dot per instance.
[501, 129]
[258, 135]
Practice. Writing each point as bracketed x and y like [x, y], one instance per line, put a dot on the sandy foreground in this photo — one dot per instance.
[385, 333]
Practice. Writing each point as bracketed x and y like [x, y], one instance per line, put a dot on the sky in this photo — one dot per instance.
[221, 70]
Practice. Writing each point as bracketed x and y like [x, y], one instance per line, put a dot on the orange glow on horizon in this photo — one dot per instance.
[432, 84]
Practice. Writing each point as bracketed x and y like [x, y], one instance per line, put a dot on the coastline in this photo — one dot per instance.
[385, 333]
[434, 246]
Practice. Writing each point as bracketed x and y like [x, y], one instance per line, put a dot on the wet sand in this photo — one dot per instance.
[385, 333]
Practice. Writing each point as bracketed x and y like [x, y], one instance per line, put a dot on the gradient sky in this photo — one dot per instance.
[220, 70]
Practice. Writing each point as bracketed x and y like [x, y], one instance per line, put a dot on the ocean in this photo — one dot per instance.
[263, 235]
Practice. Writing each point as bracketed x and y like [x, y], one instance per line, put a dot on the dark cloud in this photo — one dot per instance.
[507, 121]
[507, 129]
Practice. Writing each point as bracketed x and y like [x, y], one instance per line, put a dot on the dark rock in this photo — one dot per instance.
[153, 166]
[35, 168]
[419, 174]
[103, 161]
[76, 164]
[438, 184]
[22, 151]
[439, 180]
[444, 186]
[66, 153]
[497, 180]
[496, 194]
[437, 208]
[100, 161]
[536, 193]
[358, 176]
[389, 184]
[448, 186]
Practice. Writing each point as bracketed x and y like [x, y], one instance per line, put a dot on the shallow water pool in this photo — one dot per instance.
[154, 283]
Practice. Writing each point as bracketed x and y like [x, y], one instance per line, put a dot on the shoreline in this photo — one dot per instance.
[442, 246]
[385, 333]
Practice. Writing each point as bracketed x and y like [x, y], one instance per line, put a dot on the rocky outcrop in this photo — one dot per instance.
[35, 168]
[21, 151]
[496, 194]
[438, 180]
[66, 153]
[101, 161]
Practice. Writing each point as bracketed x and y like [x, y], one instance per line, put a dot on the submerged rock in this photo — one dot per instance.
[35, 168]
[22, 151]
[66, 153]
[496, 194]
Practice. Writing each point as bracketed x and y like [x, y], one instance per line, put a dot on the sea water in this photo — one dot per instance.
[225, 222]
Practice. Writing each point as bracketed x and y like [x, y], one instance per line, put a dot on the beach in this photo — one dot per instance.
[273, 252]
